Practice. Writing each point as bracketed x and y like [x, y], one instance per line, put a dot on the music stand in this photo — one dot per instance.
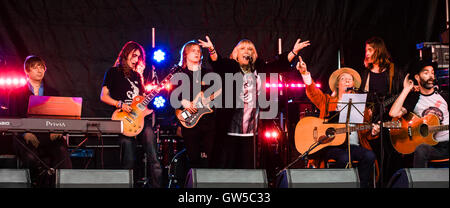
[351, 111]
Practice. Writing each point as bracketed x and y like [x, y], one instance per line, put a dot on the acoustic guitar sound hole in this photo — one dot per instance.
[423, 130]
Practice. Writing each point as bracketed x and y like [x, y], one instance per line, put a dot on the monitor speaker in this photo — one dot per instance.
[87, 178]
[15, 178]
[226, 178]
[319, 178]
[420, 178]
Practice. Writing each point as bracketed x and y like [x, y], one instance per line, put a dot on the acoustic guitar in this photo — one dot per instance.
[133, 121]
[312, 131]
[415, 131]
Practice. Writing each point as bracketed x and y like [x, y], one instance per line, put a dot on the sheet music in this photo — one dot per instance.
[359, 102]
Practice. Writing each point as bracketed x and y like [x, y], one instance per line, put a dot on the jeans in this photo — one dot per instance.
[147, 139]
[365, 157]
[425, 152]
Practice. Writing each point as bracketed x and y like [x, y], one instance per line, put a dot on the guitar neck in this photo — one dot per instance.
[438, 128]
[364, 127]
[390, 100]
[353, 128]
[163, 83]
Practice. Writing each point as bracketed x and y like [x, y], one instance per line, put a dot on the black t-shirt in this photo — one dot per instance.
[379, 83]
[123, 88]
[196, 80]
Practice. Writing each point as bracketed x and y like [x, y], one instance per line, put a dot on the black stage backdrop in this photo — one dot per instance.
[80, 39]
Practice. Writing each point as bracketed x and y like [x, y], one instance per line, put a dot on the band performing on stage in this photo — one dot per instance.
[178, 95]
[378, 122]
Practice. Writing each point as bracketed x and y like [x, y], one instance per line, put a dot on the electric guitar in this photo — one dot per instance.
[415, 131]
[188, 119]
[311, 131]
[133, 121]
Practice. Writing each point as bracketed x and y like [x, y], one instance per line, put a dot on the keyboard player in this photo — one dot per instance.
[41, 153]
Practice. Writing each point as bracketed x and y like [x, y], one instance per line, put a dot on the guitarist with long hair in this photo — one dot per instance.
[428, 100]
[382, 79]
[340, 81]
[198, 138]
[121, 84]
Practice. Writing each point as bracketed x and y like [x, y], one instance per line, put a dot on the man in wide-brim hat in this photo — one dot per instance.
[342, 81]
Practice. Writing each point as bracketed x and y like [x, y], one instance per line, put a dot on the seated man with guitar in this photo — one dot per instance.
[123, 88]
[196, 117]
[340, 81]
[425, 117]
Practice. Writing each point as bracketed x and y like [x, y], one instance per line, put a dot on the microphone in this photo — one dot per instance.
[351, 89]
[249, 58]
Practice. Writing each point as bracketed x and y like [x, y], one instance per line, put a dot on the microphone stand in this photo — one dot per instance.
[302, 156]
[381, 103]
[250, 62]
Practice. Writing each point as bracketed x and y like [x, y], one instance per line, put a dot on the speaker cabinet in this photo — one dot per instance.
[88, 178]
[420, 178]
[319, 178]
[226, 178]
[15, 178]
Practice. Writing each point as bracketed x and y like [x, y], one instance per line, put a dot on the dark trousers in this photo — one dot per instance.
[425, 152]
[365, 158]
[48, 155]
[199, 142]
[238, 152]
[147, 139]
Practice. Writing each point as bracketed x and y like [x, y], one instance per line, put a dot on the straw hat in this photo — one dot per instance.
[335, 75]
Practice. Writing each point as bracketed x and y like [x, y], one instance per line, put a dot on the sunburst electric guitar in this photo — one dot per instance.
[415, 131]
[312, 132]
[188, 119]
[133, 121]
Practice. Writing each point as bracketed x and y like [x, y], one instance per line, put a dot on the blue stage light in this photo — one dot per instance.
[159, 102]
[159, 55]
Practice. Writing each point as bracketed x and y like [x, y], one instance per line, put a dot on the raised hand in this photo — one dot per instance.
[301, 66]
[206, 44]
[300, 45]
[407, 83]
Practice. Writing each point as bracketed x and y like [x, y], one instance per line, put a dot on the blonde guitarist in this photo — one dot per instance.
[340, 81]
[427, 101]
[122, 85]
[198, 139]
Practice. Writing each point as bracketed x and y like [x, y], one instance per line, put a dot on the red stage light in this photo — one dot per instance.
[23, 81]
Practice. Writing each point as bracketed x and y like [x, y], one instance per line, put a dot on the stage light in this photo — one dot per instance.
[2, 81]
[15, 81]
[149, 87]
[318, 85]
[8, 81]
[159, 102]
[23, 81]
[159, 55]
[267, 85]
[274, 134]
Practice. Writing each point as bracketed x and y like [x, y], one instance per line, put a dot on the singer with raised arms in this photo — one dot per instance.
[238, 123]
[341, 81]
